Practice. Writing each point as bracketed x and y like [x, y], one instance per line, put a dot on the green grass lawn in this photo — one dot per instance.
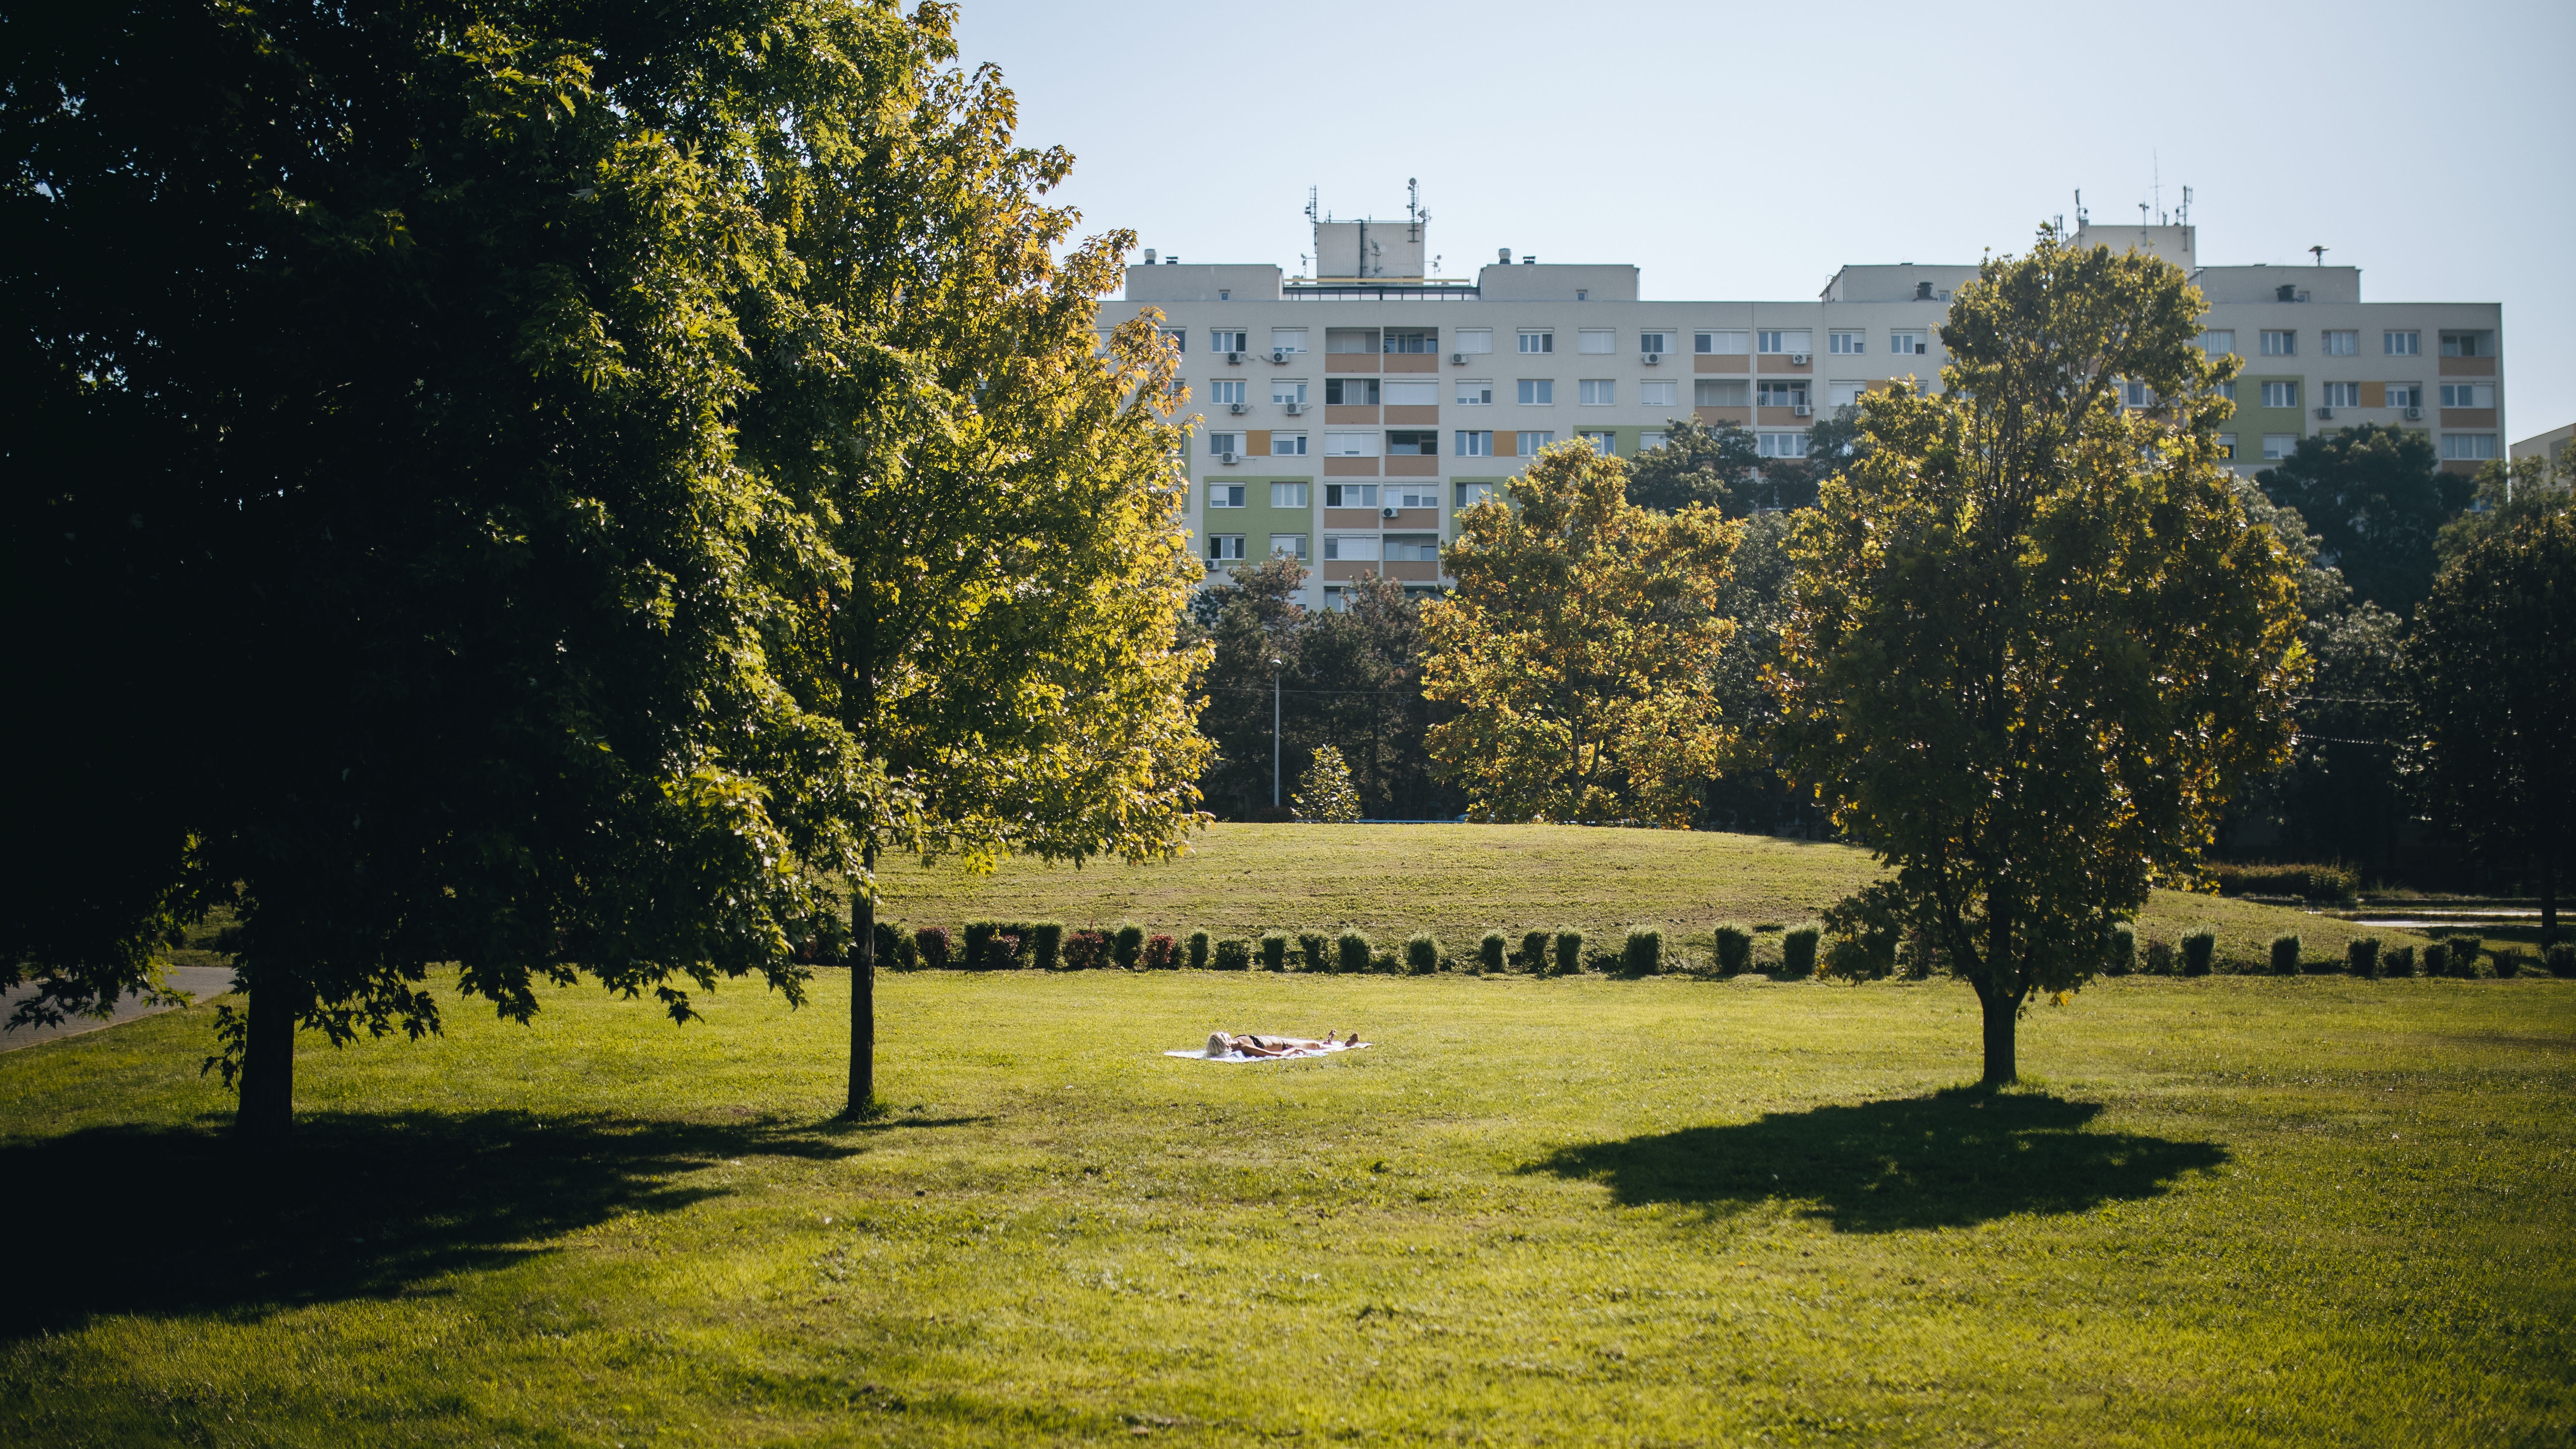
[2229, 1210]
[1460, 881]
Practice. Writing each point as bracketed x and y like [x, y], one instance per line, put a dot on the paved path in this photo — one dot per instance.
[202, 982]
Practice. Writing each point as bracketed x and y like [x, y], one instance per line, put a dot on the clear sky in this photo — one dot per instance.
[1747, 151]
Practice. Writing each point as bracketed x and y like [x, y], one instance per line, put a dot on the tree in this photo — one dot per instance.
[1324, 793]
[2376, 498]
[2034, 642]
[2507, 494]
[388, 358]
[1579, 643]
[1748, 791]
[1255, 631]
[987, 603]
[2495, 669]
[1360, 668]
[1716, 465]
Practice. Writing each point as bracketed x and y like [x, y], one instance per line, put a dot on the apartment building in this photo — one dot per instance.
[1348, 418]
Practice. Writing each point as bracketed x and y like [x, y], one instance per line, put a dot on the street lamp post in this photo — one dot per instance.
[1275, 666]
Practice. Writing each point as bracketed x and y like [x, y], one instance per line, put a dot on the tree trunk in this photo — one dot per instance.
[863, 995]
[267, 1111]
[2003, 1013]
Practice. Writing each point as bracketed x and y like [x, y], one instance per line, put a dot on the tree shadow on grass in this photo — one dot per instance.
[188, 1220]
[1951, 1159]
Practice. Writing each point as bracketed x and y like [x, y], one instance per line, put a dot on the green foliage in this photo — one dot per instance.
[1421, 955]
[1085, 950]
[932, 943]
[1865, 928]
[2437, 959]
[2035, 643]
[1325, 796]
[1046, 945]
[1127, 946]
[979, 944]
[1315, 953]
[2160, 958]
[1569, 953]
[2198, 950]
[1798, 952]
[1734, 950]
[2510, 493]
[1493, 953]
[2397, 961]
[1534, 949]
[2508, 963]
[1162, 953]
[2307, 882]
[1198, 950]
[2562, 962]
[1578, 644]
[2376, 496]
[2464, 956]
[2120, 952]
[2285, 955]
[1642, 953]
[1274, 951]
[1355, 952]
[1702, 465]
[2361, 958]
[1234, 954]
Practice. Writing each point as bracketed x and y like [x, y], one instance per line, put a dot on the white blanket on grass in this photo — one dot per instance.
[1199, 1053]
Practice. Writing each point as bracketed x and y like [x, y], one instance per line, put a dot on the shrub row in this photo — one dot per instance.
[2306, 882]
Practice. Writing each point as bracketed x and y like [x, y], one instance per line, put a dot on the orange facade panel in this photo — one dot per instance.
[1724, 415]
[1350, 362]
[1350, 518]
[2468, 417]
[1258, 441]
[2468, 367]
[1343, 570]
[1411, 413]
[2374, 394]
[1350, 467]
[1409, 465]
[1349, 413]
[1779, 362]
[1410, 361]
[1780, 417]
[1413, 519]
[1721, 362]
[1420, 571]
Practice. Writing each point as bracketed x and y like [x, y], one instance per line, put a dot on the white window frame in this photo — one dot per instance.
[1411, 541]
[1367, 495]
[1288, 339]
[1909, 342]
[1528, 441]
[2277, 446]
[1386, 391]
[1223, 443]
[1538, 341]
[2281, 395]
[1468, 495]
[1352, 445]
[1225, 548]
[1229, 495]
[1286, 390]
[1775, 444]
[2403, 394]
[1659, 392]
[2218, 341]
[1658, 343]
[2467, 394]
[1474, 443]
[1597, 392]
[2227, 446]
[1218, 339]
[1785, 341]
[1843, 393]
[1721, 382]
[1473, 392]
[1799, 393]
[1224, 390]
[1603, 441]
[1288, 545]
[2342, 342]
[2341, 395]
[1651, 439]
[2280, 342]
[1179, 337]
[1721, 342]
[1596, 341]
[1433, 434]
[1424, 493]
[1351, 548]
[1287, 445]
[1536, 392]
[1847, 344]
[2401, 342]
[1473, 340]
[2468, 447]
[1292, 495]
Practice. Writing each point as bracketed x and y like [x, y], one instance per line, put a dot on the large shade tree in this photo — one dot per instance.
[990, 568]
[2376, 498]
[2035, 642]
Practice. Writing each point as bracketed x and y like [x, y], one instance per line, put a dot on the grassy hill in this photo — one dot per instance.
[1460, 881]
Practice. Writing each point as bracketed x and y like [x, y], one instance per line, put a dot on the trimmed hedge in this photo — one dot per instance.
[1798, 952]
[1162, 953]
[1734, 950]
[2160, 958]
[2285, 955]
[2465, 951]
[2562, 961]
[1315, 953]
[932, 943]
[2307, 882]
[1642, 954]
[1354, 953]
[2361, 957]
[2397, 961]
[2120, 953]
[1127, 947]
[1274, 952]
[2437, 959]
[1534, 953]
[1421, 954]
[1198, 950]
[1569, 953]
[2199, 952]
[1493, 952]
[1234, 954]
[1046, 945]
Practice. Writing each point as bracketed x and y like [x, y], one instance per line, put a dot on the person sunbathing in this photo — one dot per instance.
[1221, 1043]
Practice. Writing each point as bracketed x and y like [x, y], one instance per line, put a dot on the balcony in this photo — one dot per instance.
[2468, 367]
[1781, 362]
[1425, 520]
[2468, 417]
[1414, 465]
[1350, 362]
[1409, 361]
[1724, 415]
[1736, 362]
[1350, 467]
[1411, 413]
[1350, 413]
[1350, 518]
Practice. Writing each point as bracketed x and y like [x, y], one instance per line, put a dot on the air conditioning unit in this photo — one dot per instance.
[1234, 359]
[1390, 513]
[1650, 358]
[1457, 359]
[1279, 354]
[1226, 458]
[1797, 359]
[2327, 413]
[1238, 409]
[1801, 410]
[2412, 414]
[1295, 408]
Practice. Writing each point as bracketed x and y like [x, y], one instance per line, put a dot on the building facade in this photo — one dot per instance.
[1347, 419]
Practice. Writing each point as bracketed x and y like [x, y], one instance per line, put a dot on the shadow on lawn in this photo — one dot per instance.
[184, 1220]
[1948, 1160]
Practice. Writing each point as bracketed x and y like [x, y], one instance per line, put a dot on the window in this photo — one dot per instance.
[1425, 494]
[1475, 339]
[2227, 390]
[2401, 344]
[1291, 495]
[1222, 341]
[2342, 395]
[1650, 440]
[2135, 394]
[2343, 344]
[2468, 394]
[1354, 392]
[1788, 393]
[1597, 392]
[1350, 495]
[2467, 344]
[1288, 545]
[1225, 547]
[1347, 340]
[1227, 495]
[1907, 344]
[1659, 394]
[1726, 393]
[1784, 342]
[2280, 394]
[2468, 447]
[1471, 494]
[1596, 340]
[1423, 394]
[1602, 443]
[1847, 342]
[1179, 339]
[1350, 445]
[1287, 445]
[2277, 446]
[2406, 394]
[1413, 548]
[1413, 445]
[2227, 445]
[1225, 445]
[1781, 445]
[1538, 342]
[2280, 344]
[1657, 343]
[1538, 392]
[1475, 444]
[1475, 392]
[1412, 341]
[1349, 549]
[1286, 391]
[1225, 390]
[1721, 344]
[1530, 443]
[1845, 394]
[1287, 339]
[2218, 341]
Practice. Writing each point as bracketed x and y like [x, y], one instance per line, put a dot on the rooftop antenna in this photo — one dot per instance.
[2321, 254]
[2156, 180]
[2142, 213]
[1310, 203]
[2183, 216]
[1413, 211]
[2080, 217]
